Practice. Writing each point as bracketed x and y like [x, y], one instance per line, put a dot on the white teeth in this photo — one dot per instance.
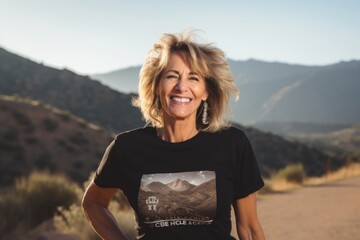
[178, 99]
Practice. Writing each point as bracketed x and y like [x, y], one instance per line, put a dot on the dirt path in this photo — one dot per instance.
[326, 212]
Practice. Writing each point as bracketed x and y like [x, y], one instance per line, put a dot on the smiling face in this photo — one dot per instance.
[180, 90]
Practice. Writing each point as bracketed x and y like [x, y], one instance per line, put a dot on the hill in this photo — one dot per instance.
[34, 135]
[342, 139]
[329, 95]
[123, 80]
[80, 95]
[274, 152]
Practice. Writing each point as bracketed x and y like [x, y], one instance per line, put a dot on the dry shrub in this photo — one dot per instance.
[13, 215]
[293, 173]
[42, 193]
[347, 171]
[33, 200]
[73, 220]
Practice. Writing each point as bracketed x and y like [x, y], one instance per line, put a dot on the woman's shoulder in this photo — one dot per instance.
[136, 134]
[231, 131]
[227, 135]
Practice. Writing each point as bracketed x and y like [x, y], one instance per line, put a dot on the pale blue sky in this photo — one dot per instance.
[93, 36]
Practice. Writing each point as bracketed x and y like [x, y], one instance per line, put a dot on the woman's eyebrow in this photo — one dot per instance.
[193, 73]
[174, 71]
[178, 73]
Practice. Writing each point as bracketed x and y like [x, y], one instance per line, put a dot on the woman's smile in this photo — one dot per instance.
[180, 99]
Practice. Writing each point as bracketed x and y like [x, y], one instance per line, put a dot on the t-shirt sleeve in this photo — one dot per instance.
[107, 174]
[247, 174]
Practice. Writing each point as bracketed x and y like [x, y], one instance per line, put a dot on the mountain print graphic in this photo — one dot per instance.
[173, 199]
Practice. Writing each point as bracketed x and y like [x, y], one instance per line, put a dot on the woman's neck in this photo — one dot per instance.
[177, 131]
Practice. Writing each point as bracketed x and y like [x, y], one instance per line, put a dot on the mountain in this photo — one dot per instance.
[66, 90]
[274, 152]
[272, 91]
[298, 128]
[329, 95]
[156, 187]
[180, 185]
[252, 71]
[202, 196]
[338, 138]
[124, 80]
[37, 136]
[206, 187]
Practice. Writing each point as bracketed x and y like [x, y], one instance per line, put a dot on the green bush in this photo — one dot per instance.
[67, 146]
[31, 140]
[294, 173]
[42, 193]
[44, 162]
[21, 118]
[65, 115]
[11, 134]
[78, 138]
[50, 124]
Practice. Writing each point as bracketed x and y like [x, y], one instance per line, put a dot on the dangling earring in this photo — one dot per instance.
[204, 116]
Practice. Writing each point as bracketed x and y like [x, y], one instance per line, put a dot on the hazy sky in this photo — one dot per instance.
[93, 36]
[195, 178]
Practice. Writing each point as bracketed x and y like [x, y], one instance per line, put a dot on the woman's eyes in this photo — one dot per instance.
[172, 76]
[193, 78]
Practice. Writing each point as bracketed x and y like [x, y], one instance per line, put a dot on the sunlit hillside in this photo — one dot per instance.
[34, 135]
[80, 95]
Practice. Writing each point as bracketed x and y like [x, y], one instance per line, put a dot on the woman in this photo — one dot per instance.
[182, 174]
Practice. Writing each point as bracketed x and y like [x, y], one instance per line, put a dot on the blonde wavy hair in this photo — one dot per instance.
[204, 59]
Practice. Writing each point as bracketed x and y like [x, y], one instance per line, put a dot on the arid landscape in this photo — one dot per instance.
[301, 121]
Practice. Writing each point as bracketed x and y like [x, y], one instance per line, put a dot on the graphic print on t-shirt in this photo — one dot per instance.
[173, 199]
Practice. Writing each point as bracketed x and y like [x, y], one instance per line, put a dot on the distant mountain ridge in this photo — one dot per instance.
[341, 138]
[273, 91]
[329, 95]
[128, 85]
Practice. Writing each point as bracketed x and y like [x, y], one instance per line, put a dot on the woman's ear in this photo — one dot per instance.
[205, 97]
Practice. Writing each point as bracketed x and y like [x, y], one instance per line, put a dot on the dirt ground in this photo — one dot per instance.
[325, 212]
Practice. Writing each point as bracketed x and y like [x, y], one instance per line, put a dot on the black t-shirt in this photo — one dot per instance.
[181, 190]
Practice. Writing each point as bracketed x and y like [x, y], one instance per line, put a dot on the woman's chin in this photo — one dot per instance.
[180, 117]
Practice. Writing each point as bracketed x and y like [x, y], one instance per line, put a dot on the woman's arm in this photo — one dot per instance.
[247, 223]
[95, 206]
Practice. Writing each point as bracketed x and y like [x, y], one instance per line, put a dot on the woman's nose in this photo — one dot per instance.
[181, 85]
